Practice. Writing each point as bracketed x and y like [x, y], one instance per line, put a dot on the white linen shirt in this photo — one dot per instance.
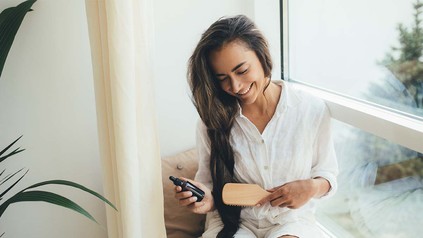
[295, 145]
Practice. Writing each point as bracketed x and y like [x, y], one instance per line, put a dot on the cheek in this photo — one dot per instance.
[259, 75]
[225, 85]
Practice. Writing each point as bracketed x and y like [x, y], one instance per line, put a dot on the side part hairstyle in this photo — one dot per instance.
[217, 109]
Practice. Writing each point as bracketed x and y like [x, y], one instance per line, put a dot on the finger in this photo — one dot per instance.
[272, 190]
[187, 201]
[178, 189]
[274, 195]
[264, 200]
[196, 207]
[282, 202]
[277, 201]
[183, 195]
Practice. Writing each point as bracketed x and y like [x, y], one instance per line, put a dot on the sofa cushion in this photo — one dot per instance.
[180, 223]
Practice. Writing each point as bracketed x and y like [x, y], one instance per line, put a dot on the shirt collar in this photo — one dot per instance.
[288, 96]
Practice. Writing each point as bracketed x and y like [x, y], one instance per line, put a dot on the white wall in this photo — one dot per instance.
[46, 94]
[179, 25]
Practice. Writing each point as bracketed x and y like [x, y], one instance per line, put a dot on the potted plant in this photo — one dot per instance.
[10, 21]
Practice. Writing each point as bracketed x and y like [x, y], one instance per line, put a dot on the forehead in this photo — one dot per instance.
[230, 55]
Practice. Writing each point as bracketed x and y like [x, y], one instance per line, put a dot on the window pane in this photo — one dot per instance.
[380, 191]
[370, 50]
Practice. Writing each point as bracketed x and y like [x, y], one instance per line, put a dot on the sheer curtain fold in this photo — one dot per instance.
[121, 42]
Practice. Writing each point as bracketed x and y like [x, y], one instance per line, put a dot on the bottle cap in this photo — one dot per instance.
[176, 181]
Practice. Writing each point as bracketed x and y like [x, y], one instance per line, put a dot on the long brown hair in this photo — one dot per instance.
[217, 109]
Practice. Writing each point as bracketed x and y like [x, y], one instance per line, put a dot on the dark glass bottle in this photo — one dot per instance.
[187, 186]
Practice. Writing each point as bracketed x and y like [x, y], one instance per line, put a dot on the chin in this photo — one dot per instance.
[248, 100]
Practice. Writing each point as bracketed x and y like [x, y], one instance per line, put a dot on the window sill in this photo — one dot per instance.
[397, 128]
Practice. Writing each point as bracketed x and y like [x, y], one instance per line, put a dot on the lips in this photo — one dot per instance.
[241, 93]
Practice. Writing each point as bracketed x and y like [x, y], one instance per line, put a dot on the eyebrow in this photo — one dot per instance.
[235, 68]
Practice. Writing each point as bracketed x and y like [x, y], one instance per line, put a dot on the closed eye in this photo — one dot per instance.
[222, 78]
[243, 72]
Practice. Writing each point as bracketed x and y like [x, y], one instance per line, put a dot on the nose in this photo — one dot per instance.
[235, 84]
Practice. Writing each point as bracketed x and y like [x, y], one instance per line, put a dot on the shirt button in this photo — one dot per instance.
[262, 141]
[266, 167]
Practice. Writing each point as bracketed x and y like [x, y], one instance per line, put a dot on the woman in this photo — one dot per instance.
[257, 131]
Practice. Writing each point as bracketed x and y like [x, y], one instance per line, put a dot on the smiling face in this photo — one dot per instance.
[239, 71]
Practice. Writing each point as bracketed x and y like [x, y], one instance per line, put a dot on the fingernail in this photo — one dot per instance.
[258, 205]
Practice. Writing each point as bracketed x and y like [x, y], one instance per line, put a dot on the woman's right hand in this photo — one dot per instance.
[187, 200]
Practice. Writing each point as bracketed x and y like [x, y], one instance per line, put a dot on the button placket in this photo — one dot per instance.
[265, 162]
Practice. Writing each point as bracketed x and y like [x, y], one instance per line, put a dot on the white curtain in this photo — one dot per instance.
[121, 42]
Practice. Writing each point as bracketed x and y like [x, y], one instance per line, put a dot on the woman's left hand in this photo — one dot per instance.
[292, 195]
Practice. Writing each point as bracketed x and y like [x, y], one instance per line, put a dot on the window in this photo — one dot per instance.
[370, 50]
[380, 187]
[364, 58]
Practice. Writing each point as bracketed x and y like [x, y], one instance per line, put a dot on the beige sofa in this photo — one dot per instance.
[179, 222]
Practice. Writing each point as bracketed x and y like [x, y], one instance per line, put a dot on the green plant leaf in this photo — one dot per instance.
[11, 144]
[43, 196]
[10, 21]
[75, 185]
[18, 150]
[5, 14]
[16, 182]
[2, 181]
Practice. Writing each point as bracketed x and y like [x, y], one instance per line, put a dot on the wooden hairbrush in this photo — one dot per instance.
[239, 194]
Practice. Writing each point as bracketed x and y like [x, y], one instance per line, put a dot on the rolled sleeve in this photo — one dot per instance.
[203, 151]
[325, 164]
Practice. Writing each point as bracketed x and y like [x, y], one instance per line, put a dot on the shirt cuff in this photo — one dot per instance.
[332, 182]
